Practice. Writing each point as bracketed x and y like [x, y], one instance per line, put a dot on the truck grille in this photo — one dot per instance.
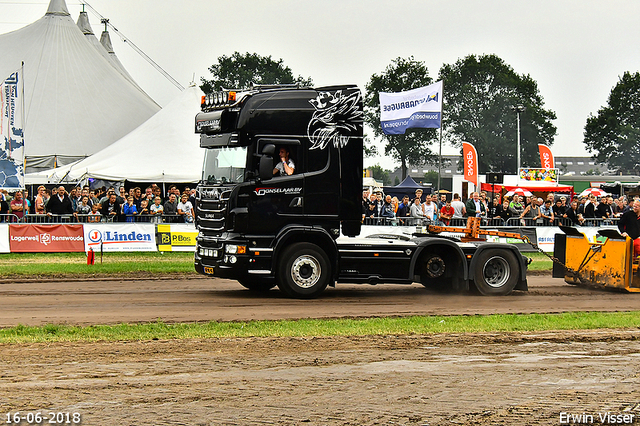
[211, 209]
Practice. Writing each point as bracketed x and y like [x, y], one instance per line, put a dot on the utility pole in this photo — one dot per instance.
[518, 109]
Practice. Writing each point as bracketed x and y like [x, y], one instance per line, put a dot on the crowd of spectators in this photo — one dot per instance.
[112, 204]
[514, 210]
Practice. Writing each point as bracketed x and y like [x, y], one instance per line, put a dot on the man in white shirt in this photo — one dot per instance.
[429, 208]
[458, 206]
[286, 166]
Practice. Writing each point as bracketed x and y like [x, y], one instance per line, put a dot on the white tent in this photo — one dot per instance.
[163, 149]
[76, 101]
[103, 46]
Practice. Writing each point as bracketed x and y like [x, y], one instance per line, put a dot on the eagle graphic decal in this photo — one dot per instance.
[336, 117]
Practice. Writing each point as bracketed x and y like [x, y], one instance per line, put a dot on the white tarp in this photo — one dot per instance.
[163, 149]
[4, 238]
[76, 102]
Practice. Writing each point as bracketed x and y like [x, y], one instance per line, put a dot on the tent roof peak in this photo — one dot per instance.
[84, 25]
[58, 7]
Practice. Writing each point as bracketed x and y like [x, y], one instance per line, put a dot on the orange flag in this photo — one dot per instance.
[470, 158]
[546, 157]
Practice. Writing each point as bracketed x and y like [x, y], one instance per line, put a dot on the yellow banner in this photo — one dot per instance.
[176, 238]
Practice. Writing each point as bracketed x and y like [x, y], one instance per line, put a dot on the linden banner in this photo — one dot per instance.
[121, 237]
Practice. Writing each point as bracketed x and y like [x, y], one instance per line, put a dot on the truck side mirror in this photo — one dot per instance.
[266, 162]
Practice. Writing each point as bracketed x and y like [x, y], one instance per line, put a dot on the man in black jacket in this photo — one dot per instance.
[111, 209]
[629, 226]
[573, 214]
[60, 203]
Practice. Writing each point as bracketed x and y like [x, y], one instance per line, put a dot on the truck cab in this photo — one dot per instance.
[247, 213]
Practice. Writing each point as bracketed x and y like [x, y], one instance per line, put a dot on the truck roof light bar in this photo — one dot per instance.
[221, 99]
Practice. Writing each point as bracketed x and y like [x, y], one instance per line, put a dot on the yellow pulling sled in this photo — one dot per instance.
[609, 264]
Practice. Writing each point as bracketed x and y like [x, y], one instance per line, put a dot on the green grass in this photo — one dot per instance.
[319, 328]
[540, 262]
[57, 264]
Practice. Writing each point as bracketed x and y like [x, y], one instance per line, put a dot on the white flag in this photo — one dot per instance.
[11, 133]
[417, 108]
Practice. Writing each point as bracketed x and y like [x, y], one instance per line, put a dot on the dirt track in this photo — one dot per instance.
[469, 379]
[201, 299]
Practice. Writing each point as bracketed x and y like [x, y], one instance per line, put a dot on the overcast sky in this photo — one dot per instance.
[575, 50]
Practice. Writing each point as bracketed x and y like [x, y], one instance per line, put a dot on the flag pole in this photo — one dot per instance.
[24, 166]
[440, 151]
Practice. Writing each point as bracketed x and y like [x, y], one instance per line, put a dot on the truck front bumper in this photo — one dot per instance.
[233, 259]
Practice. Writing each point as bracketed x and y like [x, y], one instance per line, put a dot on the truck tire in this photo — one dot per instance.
[304, 271]
[257, 284]
[433, 271]
[497, 273]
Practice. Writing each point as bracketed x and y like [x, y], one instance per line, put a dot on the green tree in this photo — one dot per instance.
[240, 71]
[401, 75]
[479, 92]
[380, 174]
[614, 133]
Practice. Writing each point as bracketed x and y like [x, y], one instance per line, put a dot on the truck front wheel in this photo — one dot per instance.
[304, 271]
[498, 272]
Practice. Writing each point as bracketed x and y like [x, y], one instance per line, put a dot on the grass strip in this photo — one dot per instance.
[75, 264]
[323, 328]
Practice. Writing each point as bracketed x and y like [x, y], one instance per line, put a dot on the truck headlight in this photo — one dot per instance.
[235, 249]
[208, 252]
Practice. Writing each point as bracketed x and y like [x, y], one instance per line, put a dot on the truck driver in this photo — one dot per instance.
[285, 166]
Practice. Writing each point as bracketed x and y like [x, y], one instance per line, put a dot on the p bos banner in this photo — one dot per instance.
[177, 237]
[125, 237]
[46, 238]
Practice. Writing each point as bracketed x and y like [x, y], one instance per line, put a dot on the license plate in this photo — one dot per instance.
[208, 270]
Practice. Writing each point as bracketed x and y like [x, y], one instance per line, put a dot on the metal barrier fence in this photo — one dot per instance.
[462, 222]
[9, 218]
[88, 218]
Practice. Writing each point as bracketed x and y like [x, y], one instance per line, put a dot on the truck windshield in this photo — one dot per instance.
[224, 165]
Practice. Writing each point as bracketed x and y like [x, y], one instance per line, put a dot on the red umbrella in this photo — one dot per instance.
[595, 191]
[519, 191]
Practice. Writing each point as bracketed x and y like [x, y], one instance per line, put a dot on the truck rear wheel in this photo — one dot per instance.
[433, 273]
[304, 271]
[498, 272]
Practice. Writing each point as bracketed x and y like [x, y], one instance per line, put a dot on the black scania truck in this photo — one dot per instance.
[300, 231]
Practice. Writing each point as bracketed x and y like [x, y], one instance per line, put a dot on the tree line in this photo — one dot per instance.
[480, 92]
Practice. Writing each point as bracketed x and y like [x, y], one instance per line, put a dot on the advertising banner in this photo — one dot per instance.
[45, 238]
[177, 237]
[120, 237]
[11, 134]
[546, 156]
[470, 166]
[4, 239]
[417, 108]
[539, 175]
